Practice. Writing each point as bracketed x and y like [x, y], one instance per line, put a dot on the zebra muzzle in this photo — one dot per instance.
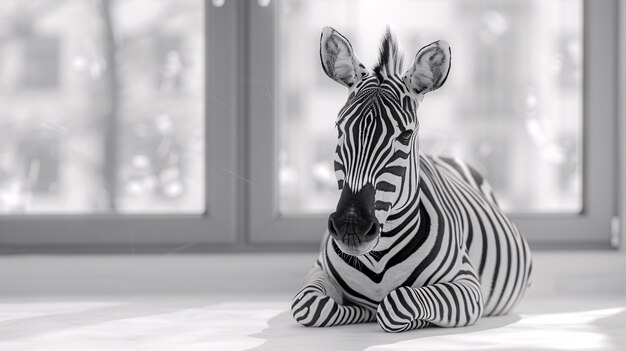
[353, 225]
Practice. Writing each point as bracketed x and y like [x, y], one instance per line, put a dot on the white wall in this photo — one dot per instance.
[554, 274]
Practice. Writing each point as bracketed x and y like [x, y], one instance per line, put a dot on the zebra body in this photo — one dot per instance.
[420, 241]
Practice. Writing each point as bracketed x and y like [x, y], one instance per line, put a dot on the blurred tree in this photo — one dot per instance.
[110, 103]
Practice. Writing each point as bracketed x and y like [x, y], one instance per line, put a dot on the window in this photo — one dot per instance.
[512, 102]
[87, 139]
[105, 137]
[167, 126]
[522, 105]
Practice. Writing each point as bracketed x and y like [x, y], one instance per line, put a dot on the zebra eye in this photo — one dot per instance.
[406, 135]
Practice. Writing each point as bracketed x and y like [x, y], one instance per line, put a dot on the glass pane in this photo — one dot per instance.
[101, 106]
[511, 107]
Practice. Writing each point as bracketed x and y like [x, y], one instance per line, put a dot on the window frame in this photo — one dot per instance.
[590, 229]
[241, 164]
[136, 233]
[620, 236]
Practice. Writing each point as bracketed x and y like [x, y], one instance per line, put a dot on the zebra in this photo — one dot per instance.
[416, 240]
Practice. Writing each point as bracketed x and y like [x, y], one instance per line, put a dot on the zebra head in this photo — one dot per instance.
[377, 132]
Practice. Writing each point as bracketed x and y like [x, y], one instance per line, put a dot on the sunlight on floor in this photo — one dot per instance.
[117, 325]
[264, 323]
[559, 331]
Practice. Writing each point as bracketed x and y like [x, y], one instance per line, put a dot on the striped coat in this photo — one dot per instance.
[445, 236]
[416, 240]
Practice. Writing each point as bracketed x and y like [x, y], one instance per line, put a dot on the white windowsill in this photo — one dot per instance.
[555, 273]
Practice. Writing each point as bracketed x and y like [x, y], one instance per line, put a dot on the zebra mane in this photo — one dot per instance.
[389, 58]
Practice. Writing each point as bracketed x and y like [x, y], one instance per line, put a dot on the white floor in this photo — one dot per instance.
[241, 302]
[263, 322]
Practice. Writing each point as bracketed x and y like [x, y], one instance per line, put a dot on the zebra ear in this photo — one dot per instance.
[430, 69]
[338, 59]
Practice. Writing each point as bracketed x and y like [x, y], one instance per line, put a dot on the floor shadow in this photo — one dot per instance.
[283, 333]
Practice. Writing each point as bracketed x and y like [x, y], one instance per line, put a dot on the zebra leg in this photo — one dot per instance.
[452, 304]
[319, 304]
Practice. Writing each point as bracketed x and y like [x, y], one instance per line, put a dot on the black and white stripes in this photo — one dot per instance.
[445, 254]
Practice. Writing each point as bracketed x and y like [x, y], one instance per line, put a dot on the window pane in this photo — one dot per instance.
[101, 106]
[511, 107]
